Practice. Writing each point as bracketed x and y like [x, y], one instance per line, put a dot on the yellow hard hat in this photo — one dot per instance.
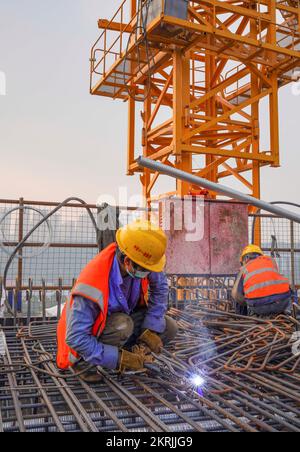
[145, 244]
[251, 249]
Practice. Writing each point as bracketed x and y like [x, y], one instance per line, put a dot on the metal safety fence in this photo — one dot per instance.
[223, 373]
[57, 250]
[45, 269]
[280, 238]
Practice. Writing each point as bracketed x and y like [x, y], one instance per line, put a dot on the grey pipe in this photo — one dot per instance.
[218, 188]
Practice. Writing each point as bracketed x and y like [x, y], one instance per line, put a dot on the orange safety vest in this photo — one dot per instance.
[262, 279]
[92, 284]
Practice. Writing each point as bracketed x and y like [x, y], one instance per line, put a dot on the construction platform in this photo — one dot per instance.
[199, 72]
[248, 369]
[250, 379]
[196, 26]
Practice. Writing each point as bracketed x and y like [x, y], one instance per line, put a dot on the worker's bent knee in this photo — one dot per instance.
[119, 328]
[171, 330]
[124, 324]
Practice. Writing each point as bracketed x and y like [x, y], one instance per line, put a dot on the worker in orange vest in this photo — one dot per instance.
[118, 302]
[260, 289]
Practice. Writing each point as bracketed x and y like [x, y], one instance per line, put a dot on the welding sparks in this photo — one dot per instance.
[198, 381]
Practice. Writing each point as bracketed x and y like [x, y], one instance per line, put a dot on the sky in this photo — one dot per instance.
[56, 140]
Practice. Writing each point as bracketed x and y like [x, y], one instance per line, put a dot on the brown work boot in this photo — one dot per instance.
[90, 375]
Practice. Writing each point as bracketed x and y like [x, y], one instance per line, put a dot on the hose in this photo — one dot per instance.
[45, 245]
[28, 235]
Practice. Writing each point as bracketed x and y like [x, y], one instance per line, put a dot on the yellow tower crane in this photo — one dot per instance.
[201, 70]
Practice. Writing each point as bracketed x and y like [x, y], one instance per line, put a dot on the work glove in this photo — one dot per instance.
[144, 351]
[152, 340]
[130, 361]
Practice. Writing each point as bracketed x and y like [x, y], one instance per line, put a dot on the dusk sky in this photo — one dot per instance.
[55, 139]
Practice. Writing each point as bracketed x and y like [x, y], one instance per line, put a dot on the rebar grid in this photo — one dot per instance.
[251, 380]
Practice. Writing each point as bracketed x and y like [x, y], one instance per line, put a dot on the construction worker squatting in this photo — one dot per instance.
[260, 290]
[119, 302]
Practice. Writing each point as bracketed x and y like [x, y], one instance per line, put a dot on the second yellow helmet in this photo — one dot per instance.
[251, 249]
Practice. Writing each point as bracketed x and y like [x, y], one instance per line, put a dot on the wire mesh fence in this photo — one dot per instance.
[58, 249]
[44, 271]
[281, 239]
[250, 376]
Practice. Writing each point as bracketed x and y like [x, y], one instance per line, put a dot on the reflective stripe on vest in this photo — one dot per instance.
[264, 285]
[258, 272]
[262, 278]
[73, 360]
[92, 284]
[68, 310]
[89, 292]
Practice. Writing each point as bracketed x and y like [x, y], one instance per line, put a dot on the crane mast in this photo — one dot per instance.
[201, 70]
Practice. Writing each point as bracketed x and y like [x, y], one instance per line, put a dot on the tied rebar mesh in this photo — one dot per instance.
[250, 379]
[251, 376]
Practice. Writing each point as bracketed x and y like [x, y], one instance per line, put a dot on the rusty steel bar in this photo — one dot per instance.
[53, 245]
[70, 205]
[43, 392]
[263, 397]
[20, 254]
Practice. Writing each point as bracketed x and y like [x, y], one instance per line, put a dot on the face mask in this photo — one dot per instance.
[130, 274]
[141, 275]
[137, 274]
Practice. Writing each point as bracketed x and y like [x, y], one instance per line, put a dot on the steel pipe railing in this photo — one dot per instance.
[218, 188]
